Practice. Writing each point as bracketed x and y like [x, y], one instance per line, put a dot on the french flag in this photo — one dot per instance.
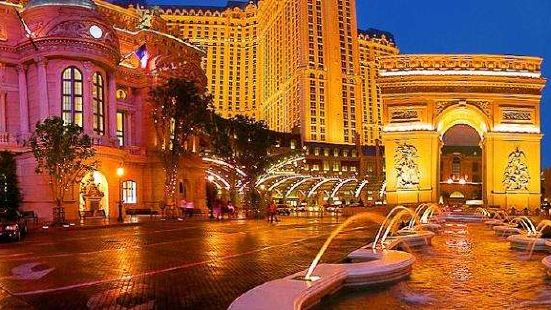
[142, 55]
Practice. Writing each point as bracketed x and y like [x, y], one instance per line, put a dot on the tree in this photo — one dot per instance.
[10, 194]
[244, 143]
[64, 153]
[179, 109]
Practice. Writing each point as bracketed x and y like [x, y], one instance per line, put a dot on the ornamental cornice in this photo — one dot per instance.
[465, 84]
[504, 63]
[59, 46]
[394, 89]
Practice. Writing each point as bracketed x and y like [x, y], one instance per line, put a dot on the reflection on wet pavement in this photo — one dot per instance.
[192, 264]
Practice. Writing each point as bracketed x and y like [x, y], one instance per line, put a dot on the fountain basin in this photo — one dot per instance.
[463, 217]
[494, 222]
[412, 239]
[293, 292]
[523, 242]
[506, 230]
[547, 263]
[434, 227]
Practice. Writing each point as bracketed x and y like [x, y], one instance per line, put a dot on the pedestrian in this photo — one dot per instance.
[272, 209]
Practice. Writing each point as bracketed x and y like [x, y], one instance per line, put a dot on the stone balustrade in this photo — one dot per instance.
[461, 62]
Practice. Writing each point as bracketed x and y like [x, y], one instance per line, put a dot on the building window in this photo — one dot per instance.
[120, 128]
[456, 167]
[98, 103]
[71, 93]
[129, 191]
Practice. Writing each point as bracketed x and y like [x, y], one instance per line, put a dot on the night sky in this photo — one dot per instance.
[517, 27]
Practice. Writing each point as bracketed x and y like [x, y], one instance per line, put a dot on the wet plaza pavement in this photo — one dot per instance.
[190, 264]
[199, 264]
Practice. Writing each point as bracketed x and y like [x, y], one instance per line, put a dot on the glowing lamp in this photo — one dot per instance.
[450, 181]
[120, 171]
[462, 181]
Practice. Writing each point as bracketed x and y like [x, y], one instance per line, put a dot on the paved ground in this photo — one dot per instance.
[190, 264]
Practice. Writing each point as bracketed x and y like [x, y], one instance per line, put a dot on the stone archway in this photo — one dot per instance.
[498, 96]
[94, 194]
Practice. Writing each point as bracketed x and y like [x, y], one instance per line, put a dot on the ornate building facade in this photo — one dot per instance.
[498, 96]
[299, 65]
[76, 59]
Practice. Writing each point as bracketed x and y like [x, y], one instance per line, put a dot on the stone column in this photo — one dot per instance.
[129, 116]
[23, 100]
[112, 102]
[138, 119]
[44, 107]
[3, 103]
[87, 117]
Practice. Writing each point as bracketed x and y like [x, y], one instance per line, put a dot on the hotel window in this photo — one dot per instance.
[120, 128]
[129, 191]
[456, 167]
[98, 105]
[71, 93]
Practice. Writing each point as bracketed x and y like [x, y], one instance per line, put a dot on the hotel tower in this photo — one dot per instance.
[302, 66]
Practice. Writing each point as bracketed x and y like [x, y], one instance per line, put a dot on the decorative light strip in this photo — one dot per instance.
[299, 183]
[223, 163]
[359, 188]
[340, 185]
[278, 183]
[319, 184]
[460, 72]
[408, 127]
[19, 6]
[272, 176]
[218, 177]
[518, 128]
[285, 162]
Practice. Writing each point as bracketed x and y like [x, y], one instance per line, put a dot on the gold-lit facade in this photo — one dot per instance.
[498, 96]
[373, 44]
[229, 36]
[292, 64]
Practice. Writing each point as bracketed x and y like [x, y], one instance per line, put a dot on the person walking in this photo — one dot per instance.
[272, 209]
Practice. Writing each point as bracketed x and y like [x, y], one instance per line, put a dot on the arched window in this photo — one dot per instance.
[98, 103]
[71, 93]
[129, 191]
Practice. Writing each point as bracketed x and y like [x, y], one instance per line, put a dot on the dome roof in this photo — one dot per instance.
[89, 4]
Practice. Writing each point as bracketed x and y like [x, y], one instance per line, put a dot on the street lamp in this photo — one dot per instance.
[120, 173]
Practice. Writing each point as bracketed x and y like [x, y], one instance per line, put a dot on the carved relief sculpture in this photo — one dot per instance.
[405, 163]
[516, 175]
[404, 115]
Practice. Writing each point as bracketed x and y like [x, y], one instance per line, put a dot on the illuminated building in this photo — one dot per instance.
[498, 96]
[228, 35]
[292, 64]
[76, 59]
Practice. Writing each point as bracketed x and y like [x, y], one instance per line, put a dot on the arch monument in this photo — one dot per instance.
[499, 96]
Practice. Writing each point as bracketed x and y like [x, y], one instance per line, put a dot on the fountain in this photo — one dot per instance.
[498, 218]
[535, 239]
[427, 221]
[459, 215]
[515, 227]
[375, 264]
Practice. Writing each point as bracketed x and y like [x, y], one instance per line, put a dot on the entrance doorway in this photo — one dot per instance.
[461, 166]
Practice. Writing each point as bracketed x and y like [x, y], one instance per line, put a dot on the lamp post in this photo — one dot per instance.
[120, 173]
